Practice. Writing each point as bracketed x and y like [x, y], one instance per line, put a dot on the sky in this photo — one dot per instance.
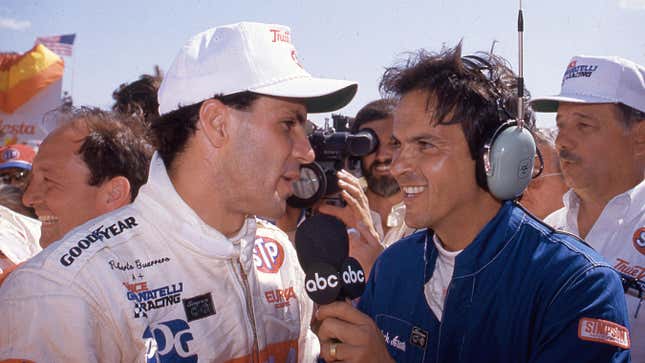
[119, 40]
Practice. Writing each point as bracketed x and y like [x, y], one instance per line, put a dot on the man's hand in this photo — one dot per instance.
[357, 209]
[348, 335]
[364, 247]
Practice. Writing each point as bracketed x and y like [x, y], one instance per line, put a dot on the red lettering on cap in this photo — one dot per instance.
[603, 331]
[280, 36]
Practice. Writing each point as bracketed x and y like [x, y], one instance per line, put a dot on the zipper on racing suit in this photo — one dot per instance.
[255, 355]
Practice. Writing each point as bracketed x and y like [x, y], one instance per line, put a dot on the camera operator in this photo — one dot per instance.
[376, 213]
[487, 282]
[383, 192]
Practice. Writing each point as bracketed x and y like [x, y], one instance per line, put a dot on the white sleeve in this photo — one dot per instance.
[43, 322]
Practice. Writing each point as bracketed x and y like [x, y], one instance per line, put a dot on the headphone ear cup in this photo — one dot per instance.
[512, 154]
[480, 170]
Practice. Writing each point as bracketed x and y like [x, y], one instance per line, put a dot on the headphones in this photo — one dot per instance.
[505, 163]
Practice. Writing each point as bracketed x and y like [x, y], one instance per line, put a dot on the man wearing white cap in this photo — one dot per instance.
[601, 144]
[186, 273]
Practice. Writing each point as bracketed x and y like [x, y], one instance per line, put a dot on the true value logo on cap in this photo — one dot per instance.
[575, 71]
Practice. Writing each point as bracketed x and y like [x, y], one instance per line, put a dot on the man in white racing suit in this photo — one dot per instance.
[186, 273]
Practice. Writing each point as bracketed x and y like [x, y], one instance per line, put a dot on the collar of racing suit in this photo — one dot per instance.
[486, 246]
[174, 216]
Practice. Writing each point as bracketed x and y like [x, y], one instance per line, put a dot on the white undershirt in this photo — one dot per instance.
[435, 289]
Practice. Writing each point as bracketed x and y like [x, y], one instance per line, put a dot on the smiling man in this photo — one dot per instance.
[187, 273]
[94, 163]
[487, 282]
[601, 144]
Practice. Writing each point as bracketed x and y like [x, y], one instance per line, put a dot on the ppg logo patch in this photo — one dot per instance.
[268, 255]
[169, 342]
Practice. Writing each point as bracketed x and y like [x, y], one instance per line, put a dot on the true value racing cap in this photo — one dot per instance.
[590, 79]
[255, 57]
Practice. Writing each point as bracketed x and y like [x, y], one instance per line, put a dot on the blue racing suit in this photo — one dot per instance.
[520, 292]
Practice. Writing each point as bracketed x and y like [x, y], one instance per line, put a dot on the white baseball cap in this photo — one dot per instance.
[252, 57]
[590, 79]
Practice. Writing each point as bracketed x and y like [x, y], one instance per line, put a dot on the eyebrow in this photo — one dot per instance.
[580, 115]
[421, 137]
[300, 116]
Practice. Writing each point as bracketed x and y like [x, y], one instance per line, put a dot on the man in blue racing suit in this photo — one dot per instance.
[487, 281]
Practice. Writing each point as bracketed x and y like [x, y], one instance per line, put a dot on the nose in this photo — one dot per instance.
[564, 141]
[33, 193]
[401, 163]
[302, 148]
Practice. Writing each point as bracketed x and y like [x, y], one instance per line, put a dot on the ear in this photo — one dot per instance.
[114, 193]
[213, 117]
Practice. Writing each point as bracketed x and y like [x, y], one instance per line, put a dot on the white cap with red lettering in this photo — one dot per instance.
[255, 57]
[591, 79]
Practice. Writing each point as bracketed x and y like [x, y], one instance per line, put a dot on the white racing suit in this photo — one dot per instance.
[151, 282]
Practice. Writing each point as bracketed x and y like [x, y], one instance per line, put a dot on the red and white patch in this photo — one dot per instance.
[639, 240]
[268, 255]
[603, 331]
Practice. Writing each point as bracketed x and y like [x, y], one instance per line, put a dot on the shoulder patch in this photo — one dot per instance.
[603, 331]
[268, 254]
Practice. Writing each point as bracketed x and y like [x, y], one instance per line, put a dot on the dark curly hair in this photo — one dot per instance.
[139, 97]
[477, 91]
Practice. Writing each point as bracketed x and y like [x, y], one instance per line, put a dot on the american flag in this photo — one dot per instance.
[59, 44]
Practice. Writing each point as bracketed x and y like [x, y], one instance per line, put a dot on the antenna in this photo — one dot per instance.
[520, 70]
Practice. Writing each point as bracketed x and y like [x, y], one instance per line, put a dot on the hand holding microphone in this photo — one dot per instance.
[345, 333]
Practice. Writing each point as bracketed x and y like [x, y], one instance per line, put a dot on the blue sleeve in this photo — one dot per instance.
[586, 321]
[366, 300]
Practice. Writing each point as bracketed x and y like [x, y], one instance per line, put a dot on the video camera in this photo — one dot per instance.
[333, 149]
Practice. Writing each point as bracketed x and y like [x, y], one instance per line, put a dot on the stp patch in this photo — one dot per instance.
[268, 255]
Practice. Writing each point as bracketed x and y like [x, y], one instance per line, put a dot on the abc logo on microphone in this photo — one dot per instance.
[324, 284]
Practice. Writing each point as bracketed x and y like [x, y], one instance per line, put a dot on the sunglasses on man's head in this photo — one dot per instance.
[14, 176]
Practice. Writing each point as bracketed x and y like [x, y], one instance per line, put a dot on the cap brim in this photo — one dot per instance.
[550, 103]
[16, 164]
[319, 94]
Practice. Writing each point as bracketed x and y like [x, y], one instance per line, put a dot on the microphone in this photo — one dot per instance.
[322, 246]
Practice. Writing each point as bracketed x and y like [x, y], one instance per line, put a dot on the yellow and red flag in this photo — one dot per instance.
[24, 76]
